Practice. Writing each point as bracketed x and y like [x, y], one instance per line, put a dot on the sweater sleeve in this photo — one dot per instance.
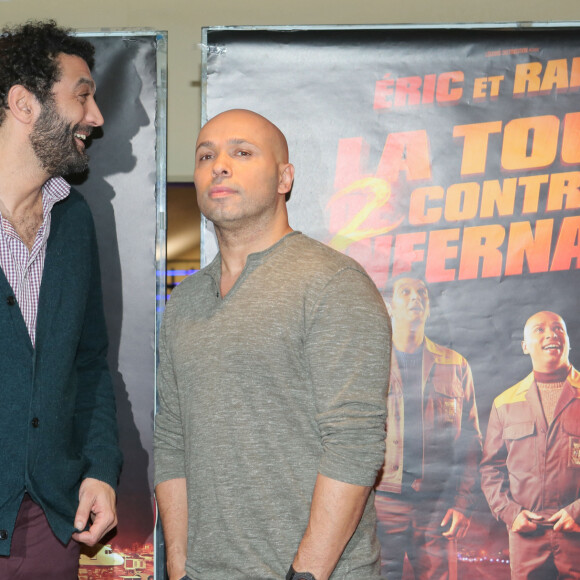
[169, 454]
[348, 346]
[95, 411]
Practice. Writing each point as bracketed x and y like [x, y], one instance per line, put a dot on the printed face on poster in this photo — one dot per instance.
[451, 155]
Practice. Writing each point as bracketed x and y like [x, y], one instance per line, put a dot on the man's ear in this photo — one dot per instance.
[286, 178]
[524, 347]
[22, 104]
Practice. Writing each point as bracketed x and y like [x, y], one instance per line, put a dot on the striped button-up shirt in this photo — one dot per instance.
[23, 268]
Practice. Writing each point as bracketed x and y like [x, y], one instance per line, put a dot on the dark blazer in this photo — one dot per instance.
[57, 406]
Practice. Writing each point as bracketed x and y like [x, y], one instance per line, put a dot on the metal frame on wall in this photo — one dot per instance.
[126, 190]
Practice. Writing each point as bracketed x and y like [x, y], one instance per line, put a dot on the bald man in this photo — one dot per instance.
[531, 459]
[274, 366]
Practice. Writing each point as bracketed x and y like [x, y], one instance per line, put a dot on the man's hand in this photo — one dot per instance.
[564, 522]
[97, 500]
[526, 521]
[459, 524]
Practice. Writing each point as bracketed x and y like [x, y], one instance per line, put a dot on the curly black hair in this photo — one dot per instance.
[28, 57]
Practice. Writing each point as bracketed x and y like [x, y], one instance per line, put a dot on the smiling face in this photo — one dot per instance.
[66, 120]
[241, 172]
[410, 302]
[546, 341]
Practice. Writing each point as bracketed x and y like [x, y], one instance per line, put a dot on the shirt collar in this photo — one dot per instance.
[54, 190]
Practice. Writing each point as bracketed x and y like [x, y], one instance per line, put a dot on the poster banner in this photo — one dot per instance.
[446, 160]
[125, 189]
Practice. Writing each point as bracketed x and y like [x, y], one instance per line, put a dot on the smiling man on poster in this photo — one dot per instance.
[530, 472]
[274, 365]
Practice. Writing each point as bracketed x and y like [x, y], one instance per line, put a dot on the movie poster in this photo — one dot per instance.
[451, 156]
[126, 191]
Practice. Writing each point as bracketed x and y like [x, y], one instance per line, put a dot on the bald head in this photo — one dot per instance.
[242, 175]
[247, 123]
[546, 341]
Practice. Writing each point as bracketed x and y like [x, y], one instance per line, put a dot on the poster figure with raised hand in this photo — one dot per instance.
[530, 472]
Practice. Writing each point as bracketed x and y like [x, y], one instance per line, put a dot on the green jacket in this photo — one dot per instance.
[57, 407]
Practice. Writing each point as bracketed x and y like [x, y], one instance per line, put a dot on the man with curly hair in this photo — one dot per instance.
[59, 454]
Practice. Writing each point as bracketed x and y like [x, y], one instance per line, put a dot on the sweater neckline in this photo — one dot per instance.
[557, 376]
[253, 260]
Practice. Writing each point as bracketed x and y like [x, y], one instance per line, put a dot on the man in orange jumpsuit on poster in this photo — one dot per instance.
[530, 472]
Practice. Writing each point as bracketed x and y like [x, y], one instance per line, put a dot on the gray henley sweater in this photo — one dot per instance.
[283, 378]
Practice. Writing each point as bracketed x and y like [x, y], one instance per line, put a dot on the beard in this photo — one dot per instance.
[54, 144]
